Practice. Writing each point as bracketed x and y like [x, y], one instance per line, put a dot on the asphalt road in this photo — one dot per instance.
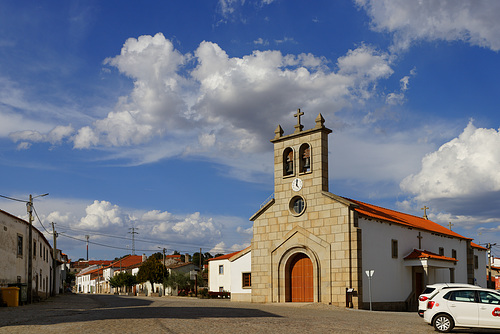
[123, 314]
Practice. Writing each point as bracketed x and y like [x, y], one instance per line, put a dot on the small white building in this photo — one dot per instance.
[231, 273]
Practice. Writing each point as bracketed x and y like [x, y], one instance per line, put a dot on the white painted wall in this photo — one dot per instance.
[239, 266]
[480, 272]
[392, 280]
[216, 280]
[13, 266]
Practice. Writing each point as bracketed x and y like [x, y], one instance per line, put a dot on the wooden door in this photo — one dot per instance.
[301, 279]
[419, 283]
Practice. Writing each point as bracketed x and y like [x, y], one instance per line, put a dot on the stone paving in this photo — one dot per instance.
[123, 314]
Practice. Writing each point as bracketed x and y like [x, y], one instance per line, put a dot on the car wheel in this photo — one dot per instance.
[443, 323]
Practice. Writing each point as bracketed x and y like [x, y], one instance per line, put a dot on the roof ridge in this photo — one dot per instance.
[398, 217]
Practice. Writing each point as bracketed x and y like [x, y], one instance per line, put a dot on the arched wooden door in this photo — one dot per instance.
[301, 279]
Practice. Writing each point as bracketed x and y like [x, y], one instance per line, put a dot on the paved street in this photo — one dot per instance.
[121, 314]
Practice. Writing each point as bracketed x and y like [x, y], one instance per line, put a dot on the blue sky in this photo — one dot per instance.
[157, 115]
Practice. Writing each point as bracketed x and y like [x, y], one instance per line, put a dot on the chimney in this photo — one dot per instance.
[144, 257]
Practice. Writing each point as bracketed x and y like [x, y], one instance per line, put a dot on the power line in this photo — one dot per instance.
[103, 245]
[14, 199]
[150, 241]
[36, 214]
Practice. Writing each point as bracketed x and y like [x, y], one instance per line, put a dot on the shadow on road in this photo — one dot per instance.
[82, 308]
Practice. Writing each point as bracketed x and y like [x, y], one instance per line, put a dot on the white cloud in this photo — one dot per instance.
[399, 97]
[101, 215]
[242, 230]
[109, 224]
[55, 136]
[219, 248]
[471, 21]
[208, 104]
[260, 41]
[229, 8]
[465, 166]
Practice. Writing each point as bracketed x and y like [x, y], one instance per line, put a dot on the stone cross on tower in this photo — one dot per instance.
[425, 211]
[299, 126]
[419, 240]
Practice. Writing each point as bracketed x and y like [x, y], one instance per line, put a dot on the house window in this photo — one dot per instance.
[247, 280]
[34, 249]
[441, 251]
[19, 245]
[394, 247]
[41, 278]
[221, 269]
[476, 262]
[454, 253]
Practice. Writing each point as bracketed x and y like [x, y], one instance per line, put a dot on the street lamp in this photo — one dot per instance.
[29, 207]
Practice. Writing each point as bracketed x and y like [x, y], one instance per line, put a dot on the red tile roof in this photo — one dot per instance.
[424, 254]
[477, 246]
[127, 261]
[377, 212]
[223, 257]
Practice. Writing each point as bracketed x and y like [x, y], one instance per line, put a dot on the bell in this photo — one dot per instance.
[307, 163]
[289, 167]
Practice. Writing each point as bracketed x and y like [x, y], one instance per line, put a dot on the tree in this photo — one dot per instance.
[70, 277]
[179, 281]
[158, 255]
[204, 258]
[123, 279]
[152, 270]
[196, 258]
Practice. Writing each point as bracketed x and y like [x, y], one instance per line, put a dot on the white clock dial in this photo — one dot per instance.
[296, 184]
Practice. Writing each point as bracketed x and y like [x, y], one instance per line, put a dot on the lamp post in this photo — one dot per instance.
[29, 207]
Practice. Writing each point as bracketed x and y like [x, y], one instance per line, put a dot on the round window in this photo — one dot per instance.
[297, 205]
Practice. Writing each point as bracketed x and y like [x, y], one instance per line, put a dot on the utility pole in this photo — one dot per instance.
[87, 236]
[133, 238]
[29, 207]
[488, 246]
[164, 256]
[201, 259]
[54, 261]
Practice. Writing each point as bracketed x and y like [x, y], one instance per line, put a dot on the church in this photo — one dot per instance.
[310, 245]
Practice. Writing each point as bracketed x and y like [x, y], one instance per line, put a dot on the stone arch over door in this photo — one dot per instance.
[295, 242]
[286, 265]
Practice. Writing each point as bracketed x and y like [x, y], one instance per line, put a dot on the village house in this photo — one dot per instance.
[310, 245]
[14, 252]
[231, 273]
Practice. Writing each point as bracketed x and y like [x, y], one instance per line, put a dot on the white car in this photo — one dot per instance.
[432, 289]
[463, 307]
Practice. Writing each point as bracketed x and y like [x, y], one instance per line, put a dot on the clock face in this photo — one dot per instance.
[296, 184]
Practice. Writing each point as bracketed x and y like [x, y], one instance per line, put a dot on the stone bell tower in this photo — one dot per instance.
[300, 162]
[292, 234]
